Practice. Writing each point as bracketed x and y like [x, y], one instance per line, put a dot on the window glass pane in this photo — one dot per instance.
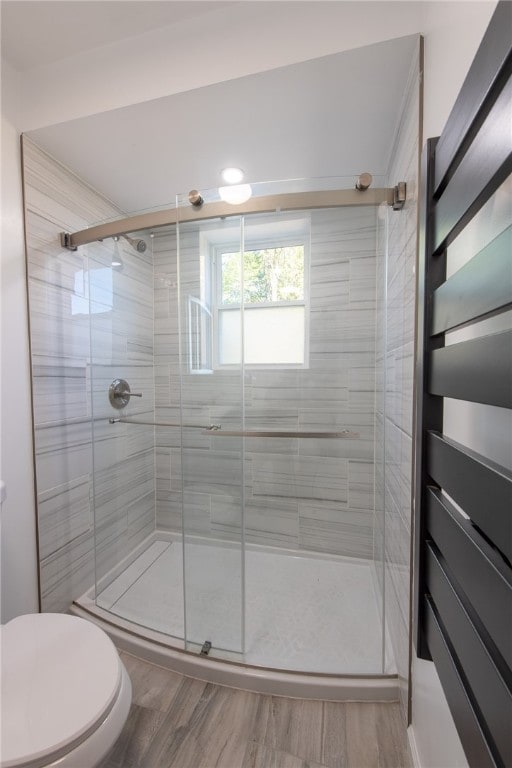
[270, 275]
[274, 274]
[229, 337]
[231, 276]
[274, 335]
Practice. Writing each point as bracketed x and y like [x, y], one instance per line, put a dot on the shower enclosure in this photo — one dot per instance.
[235, 499]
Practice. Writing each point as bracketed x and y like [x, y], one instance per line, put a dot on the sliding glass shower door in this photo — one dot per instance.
[212, 406]
[277, 375]
[244, 339]
[237, 493]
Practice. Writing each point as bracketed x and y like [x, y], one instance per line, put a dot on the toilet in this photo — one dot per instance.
[65, 693]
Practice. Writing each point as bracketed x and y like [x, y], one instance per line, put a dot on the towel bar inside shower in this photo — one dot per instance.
[216, 429]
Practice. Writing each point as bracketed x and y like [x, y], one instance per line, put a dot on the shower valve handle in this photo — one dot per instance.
[128, 394]
[119, 393]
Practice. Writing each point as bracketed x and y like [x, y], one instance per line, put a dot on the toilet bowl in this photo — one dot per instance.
[65, 693]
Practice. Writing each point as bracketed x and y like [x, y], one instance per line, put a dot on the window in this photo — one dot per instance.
[270, 279]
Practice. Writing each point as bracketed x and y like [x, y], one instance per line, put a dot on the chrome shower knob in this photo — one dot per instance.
[119, 393]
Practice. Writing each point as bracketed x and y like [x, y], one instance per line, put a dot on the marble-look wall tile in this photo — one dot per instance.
[197, 513]
[214, 472]
[335, 528]
[300, 477]
[360, 484]
[89, 324]
[228, 515]
[63, 453]
[276, 523]
[64, 514]
[169, 511]
[67, 572]
[59, 390]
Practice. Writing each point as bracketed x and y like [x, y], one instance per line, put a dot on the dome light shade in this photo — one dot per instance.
[232, 175]
[235, 195]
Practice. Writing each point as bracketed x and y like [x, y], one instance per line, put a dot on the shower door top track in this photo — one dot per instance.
[293, 201]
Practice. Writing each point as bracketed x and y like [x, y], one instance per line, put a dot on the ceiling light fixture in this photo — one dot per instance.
[232, 175]
[235, 195]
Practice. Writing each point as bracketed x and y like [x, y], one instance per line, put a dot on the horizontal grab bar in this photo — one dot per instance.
[217, 430]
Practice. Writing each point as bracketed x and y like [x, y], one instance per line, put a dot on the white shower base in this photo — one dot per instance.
[310, 612]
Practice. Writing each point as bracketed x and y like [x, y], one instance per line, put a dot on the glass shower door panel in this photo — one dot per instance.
[211, 465]
[118, 297]
[310, 597]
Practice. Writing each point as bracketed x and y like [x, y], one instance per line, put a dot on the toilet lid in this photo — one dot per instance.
[60, 678]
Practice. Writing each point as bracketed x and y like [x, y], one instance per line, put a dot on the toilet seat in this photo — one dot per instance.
[61, 681]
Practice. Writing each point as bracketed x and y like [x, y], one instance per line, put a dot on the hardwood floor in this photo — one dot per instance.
[179, 722]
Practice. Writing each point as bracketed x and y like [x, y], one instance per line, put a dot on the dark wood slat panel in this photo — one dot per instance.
[479, 370]
[482, 574]
[486, 164]
[479, 288]
[491, 60]
[482, 488]
[483, 676]
[473, 740]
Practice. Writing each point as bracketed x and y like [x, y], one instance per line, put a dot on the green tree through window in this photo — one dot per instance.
[270, 275]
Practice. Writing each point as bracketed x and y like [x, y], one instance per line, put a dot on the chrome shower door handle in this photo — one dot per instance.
[119, 393]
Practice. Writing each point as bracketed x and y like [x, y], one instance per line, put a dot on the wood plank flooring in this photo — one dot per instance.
[179, 722]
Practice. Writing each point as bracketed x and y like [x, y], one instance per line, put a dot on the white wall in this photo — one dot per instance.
[243, 39]
[18, 539]
[433, 738]
[452, 31]
[253, 37]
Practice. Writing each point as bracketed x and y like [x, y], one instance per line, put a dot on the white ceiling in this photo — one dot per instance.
[40, 32]
[332, 116]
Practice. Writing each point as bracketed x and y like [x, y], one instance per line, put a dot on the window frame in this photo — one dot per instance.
[253, 243]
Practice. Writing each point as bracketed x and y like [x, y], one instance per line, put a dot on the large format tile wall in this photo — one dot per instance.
[312, 494]
[80, 341]
[395, 370]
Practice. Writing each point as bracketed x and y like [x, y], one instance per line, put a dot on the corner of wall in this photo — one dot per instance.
[452, 31]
